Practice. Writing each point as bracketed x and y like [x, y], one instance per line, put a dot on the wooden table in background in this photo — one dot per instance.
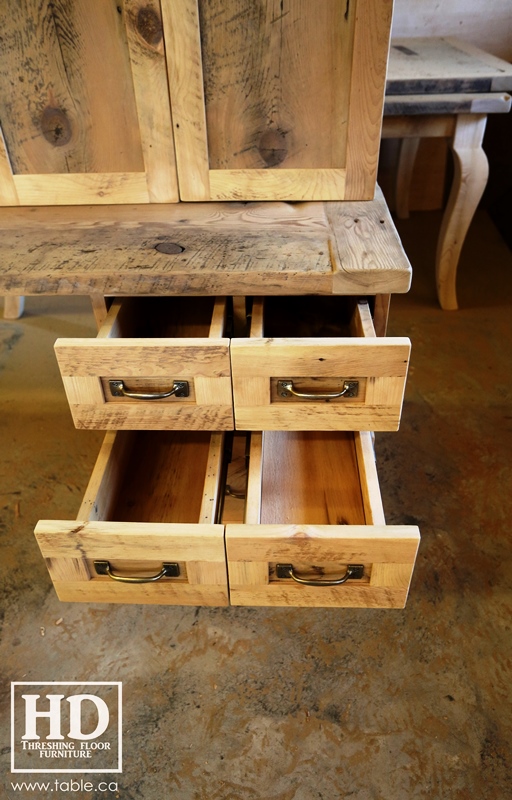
[442, 87]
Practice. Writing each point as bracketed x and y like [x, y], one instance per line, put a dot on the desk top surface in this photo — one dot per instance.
[203, 248]
[434, 65]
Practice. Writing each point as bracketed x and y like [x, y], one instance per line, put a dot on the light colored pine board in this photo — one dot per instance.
[381, 313]
[391, 575]
[361, 323]
[66, 189]
[137, 541]
[159, 357]
[248, 573]
[370, 55]
[107, 476]
[343, 543]
[159, 593]
[212, 481]
[185, 72]
[279, 184]
[219, 318]
[368, 479]
[367, 248]
[99, 309]
[70, 570]
[253, 501]
[380, 364]
[8, 193]
[347, 596]
[387, 552]
[147, 56]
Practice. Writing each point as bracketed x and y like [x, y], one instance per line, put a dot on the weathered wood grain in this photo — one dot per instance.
[229, 248]
[370, 55]
[378, 364]
[388, 554]
[273, 100]
[86, 118]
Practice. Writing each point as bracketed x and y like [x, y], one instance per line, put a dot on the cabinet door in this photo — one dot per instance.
[84, 107]
[277, 100]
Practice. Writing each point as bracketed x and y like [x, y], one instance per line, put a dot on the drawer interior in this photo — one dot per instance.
[311, 316]
[146, 531]
[161, 317]
[314, 531]
[313, 478]
[156, 476]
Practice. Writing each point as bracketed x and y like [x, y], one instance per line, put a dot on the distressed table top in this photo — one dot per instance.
[434, 75]
[203, 248]
[437, 65]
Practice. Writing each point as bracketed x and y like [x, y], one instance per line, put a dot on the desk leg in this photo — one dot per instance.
[406, 159]
[471, 170]
[13, 306]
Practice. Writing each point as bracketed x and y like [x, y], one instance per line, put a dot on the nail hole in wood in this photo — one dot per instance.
[170, 248]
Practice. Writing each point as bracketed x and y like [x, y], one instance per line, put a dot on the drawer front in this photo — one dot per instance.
[151, 367]
[261, 559]
[76, 552]
[350, 383]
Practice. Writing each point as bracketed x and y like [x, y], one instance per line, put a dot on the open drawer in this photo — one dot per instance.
[157, 363]
[315, 532]
[146, 531]
[314, 363]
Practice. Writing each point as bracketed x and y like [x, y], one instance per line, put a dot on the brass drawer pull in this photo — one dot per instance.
[354, 571]
[168, 571]
[179, 389]
[286, 389]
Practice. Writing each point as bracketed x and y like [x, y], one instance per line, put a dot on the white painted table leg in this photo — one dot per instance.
[13, 307]
[406, 159]
[471, 171]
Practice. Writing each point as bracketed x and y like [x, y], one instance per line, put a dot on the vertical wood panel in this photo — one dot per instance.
[147, 53]
[8, 193]
[276, 82]
[185, 69]
[371, 46]
[71, 106]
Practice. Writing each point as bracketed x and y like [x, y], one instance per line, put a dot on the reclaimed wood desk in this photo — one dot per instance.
[349, 248]
[442, 87]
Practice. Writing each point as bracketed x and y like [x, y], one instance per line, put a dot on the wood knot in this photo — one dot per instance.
[273, 148]
[56, 126]
[149, 25]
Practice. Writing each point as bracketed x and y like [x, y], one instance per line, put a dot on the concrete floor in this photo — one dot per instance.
[295, 704]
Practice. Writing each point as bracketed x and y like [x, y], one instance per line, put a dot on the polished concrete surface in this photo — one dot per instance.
[296, 704]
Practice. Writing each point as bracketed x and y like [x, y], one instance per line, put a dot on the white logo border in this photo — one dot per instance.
[119, 685]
